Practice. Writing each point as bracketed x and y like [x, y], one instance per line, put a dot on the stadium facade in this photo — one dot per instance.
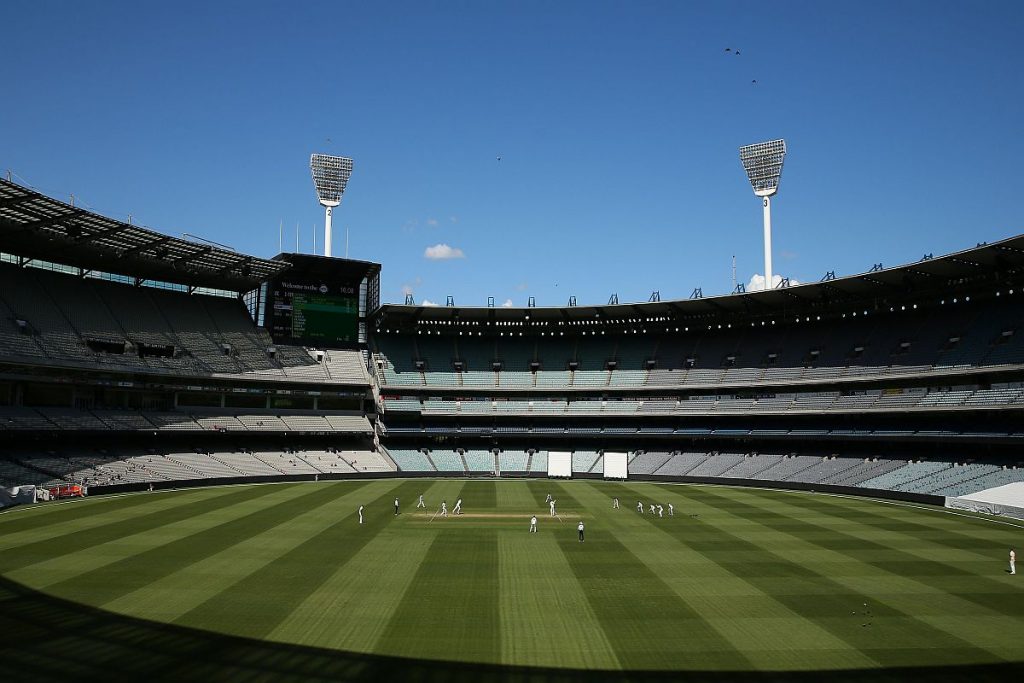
[129, 358]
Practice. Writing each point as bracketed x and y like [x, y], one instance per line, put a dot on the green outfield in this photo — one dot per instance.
[738, 580]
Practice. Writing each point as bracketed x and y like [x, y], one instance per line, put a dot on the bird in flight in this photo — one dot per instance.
[499, 157]
[753, 82]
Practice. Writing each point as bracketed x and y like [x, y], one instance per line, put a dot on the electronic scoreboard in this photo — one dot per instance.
[321, 302]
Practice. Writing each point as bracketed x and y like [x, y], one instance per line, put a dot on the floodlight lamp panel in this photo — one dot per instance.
[330, 176]
[763, 163]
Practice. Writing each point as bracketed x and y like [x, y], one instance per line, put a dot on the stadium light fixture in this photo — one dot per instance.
[763, 163]
[330, 175]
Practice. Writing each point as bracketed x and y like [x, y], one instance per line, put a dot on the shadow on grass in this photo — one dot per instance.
[45, 638]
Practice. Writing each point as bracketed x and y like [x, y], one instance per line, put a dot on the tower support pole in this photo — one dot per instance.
[767, 242]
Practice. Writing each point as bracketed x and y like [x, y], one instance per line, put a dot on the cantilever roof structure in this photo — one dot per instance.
[35, 226]
[996, 263]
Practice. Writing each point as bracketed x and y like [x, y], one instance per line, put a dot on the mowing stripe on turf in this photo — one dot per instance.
[76, 540]
[981, 541]
[161, 552]
[450, 610]
[896, 638]
[353, 606]
[637, 610]
[919, 584]
[39, 517]
[168, 597]
[254, 606]
[747, 616]
[545, 618]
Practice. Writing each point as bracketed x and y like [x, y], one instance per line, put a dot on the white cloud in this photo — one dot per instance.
[757, 282]
[443, 252]
[432, 222]
[428, 303]
[507, 304]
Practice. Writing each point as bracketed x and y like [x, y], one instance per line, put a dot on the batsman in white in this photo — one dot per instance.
[457, 510]
[421, 504]
[552, 504]
[444, 508]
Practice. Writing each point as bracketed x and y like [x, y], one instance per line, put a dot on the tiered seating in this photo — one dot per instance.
[246, 463]
[367, 461]
[513, 461]
[787, 467]
[648, 463]
[447, 461]
[539, 463]
[479, 461]
[583, 461]
[751, 465]
[895, 479]
[716, 464]
[411, 461]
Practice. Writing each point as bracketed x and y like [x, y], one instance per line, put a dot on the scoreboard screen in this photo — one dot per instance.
[313, 312]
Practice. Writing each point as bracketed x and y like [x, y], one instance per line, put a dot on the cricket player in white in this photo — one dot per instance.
[548, 499]
[640, 507]
[396, 507]
[360, 514]
[1013, 561]
[671, 510]
[615, 503]
[652, 508]
[457, 510]
[533, 524]
[661, 511]
[552, 504]
[580, 529]
[444, 508]
[421, 504]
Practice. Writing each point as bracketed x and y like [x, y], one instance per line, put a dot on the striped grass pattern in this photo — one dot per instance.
[739, 580]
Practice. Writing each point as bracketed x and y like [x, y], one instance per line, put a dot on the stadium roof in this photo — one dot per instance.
[35, 226]
[1001, 261]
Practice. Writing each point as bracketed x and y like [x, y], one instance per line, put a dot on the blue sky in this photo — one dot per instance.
[617, 124]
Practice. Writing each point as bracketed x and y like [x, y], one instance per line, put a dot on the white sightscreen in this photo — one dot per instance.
[559, 464]
[615, 465]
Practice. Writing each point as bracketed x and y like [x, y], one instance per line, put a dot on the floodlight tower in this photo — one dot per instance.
[763, 163]
[330, 175]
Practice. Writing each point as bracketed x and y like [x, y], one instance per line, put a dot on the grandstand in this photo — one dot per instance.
[907, 380]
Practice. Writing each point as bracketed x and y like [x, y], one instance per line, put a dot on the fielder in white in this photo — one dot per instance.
[661, 511]
[444, 508]
[552, 504]
[580, 529]
[640, 507]
[1013, 561]
[652, 508]
[421, 504]
[360, 514]
[533, 524]
[671, 510]
[615, 503]
[457, 510]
